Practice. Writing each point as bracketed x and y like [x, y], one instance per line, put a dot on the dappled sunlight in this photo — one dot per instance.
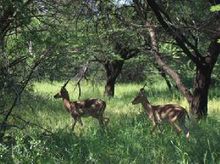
[214, 105]
[125, 139]
[109, 82]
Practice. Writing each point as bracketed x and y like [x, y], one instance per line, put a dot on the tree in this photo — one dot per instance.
[107, 41]
[114, 67]
[186, 30]
[27, 39]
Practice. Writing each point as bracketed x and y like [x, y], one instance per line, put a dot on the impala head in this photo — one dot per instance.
[140, 97]
[63, 92]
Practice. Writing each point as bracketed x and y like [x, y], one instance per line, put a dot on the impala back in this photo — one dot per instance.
[169, 112]
[89, 107]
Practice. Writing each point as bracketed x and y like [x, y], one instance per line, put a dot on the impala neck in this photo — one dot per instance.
[66, 102]
[66, 97]
[146, 104]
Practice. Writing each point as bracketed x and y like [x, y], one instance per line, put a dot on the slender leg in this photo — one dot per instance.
[80, 121]
[185, 129]
[159, 126]
[106, 120]
[176, 126]
[101, 121]
[74, 123]
[154, 127]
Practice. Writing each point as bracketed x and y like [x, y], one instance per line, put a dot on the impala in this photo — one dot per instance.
[172, 113]
[89, 107]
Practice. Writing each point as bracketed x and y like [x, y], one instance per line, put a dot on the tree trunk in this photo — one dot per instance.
[198, 100]
[110, 87]
[1, 44]
[199, 104]
[164, 76]
[113, 69]
[164, 67]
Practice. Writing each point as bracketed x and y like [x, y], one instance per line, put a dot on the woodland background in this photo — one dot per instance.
[110, 49]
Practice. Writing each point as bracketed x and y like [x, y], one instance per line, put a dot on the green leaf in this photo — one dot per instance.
[218, 40]
[215, 8]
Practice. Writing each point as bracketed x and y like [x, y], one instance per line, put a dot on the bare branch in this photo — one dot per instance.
[80, 76]
[155, 51]
[181, 40]
[29, 123]
[25, 83]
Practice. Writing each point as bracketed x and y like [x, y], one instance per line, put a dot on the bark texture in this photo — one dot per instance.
[198, 99]
[114, 67]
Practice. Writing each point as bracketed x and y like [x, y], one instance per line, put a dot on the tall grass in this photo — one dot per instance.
[126, 139]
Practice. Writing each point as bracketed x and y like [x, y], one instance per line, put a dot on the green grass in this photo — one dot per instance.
[126, 139]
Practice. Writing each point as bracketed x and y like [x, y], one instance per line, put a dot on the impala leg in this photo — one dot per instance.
[106, 119]
[185, 129]
[159, 126]
[101, 121]
[80, 121]
[74, 124]
[177, 127]
[154, 127]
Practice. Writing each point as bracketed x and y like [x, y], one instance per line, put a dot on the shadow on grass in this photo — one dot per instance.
[126, 140]
[129, 140]
[205, 144]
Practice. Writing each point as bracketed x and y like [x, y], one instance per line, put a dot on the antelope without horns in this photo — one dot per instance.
[172, 113]
[89, 107]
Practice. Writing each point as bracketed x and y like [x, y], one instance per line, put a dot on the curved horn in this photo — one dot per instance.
[144, 85]
[66, 83]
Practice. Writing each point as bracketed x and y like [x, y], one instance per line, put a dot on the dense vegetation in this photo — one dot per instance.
[126, 139]
[109, 50]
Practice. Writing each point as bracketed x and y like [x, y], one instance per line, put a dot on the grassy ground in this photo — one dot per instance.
[126, 139]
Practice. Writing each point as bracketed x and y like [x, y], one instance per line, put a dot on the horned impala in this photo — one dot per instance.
[172, 113]
[89, 107]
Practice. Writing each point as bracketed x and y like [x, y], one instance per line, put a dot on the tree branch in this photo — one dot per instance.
[165, 67]
[30, 123]
[25, 83]
[80, 75]
[181, 40]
